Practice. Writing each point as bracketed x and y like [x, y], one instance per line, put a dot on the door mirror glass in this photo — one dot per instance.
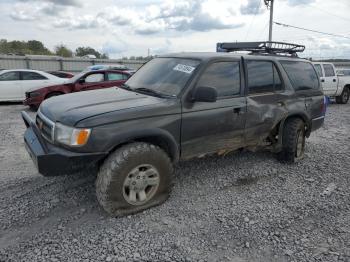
[205, 94]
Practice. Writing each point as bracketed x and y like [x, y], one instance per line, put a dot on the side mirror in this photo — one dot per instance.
[205, 94]
[81, 81]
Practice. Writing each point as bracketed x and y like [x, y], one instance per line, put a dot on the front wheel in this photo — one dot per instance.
[344, 97]
[135, 177]
[293, 141]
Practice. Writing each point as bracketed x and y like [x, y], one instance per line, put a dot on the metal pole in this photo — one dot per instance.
[271, 20]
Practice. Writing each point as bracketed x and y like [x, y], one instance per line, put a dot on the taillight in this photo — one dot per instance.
[324, 105]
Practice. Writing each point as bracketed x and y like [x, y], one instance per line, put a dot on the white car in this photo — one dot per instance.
[15, 82]
[333, 85]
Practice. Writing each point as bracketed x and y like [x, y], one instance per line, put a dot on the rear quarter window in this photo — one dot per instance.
[302, 75]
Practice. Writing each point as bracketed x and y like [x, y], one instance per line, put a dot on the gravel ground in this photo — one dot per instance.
[240, 207]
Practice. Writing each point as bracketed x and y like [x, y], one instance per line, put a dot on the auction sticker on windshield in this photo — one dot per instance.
[184, 68]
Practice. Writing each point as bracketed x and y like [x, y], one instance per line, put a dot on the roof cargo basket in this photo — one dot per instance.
[266, 48]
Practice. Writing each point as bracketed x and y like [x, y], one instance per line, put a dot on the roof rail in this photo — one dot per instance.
[267, 47]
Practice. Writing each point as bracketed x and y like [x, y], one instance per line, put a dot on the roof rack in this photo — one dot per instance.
[267, 48]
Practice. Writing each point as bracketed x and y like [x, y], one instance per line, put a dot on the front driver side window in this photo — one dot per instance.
[94, 78]
[224, 76]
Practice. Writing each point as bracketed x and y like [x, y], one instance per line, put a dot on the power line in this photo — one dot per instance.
[310, 30]
[251, 21]
[263, 30]
[325, 11]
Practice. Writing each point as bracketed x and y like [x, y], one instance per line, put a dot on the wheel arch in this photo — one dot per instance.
[53, 92]
[157, 137]
[280, 125]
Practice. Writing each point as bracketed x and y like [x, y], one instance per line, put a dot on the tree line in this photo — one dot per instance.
[35, 47]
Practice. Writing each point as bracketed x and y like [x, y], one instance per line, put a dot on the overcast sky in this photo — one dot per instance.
[130, 27]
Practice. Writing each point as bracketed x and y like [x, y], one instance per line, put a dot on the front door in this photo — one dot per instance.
[209, 127]
[330, 81]
[10, 86]
[95, 80]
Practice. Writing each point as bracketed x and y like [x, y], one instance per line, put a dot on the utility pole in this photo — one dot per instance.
[269, 5]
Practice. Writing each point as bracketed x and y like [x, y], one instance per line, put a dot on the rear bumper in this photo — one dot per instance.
[317, 123]
[51, 160]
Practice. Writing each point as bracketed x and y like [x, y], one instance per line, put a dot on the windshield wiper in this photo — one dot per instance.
[125, 86]
[150, 91]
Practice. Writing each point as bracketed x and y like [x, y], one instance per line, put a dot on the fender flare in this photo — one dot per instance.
[159, 137]
[278, 146]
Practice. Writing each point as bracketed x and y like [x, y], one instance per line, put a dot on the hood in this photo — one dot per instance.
[71, 108]
[54, 83]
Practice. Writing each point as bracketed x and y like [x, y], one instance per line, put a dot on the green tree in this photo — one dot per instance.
[33, 47]
[37, 47]
[62, 50]
[104, 56]
[83, 51]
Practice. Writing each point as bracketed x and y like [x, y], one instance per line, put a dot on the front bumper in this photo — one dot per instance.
[52, 160]
[33, 101]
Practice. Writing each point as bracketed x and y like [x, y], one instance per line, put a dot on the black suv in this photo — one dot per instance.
[176, 107]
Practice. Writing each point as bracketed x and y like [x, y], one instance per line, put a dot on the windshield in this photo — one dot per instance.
[75, 78]
[166, 76]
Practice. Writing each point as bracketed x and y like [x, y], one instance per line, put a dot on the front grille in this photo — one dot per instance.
[46, 126]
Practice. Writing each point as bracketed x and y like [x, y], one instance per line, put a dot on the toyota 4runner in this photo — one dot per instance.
[177, 107]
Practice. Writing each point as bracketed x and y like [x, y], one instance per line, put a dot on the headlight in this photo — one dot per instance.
[33, 94]
[71, 136]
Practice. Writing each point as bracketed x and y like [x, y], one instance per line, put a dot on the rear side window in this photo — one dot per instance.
[32, 76]
[115, 76]
[263, 77]
[301, 74]
[318, 70]
[328, 70]
[224, 76]
[9, 76]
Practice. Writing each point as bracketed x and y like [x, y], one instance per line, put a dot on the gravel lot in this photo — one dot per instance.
[240, 207]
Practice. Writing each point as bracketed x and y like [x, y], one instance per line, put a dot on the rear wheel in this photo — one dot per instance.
[135, 177]
[293, 141]
[344, 97]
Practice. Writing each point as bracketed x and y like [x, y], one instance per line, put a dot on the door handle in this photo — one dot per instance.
[334, 80]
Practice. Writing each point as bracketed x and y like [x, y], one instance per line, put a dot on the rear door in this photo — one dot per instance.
[31, 80]
[304, 80]
[267, 99]
[209, 127]
[10, 86]
[116, 78]
[329, 81]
